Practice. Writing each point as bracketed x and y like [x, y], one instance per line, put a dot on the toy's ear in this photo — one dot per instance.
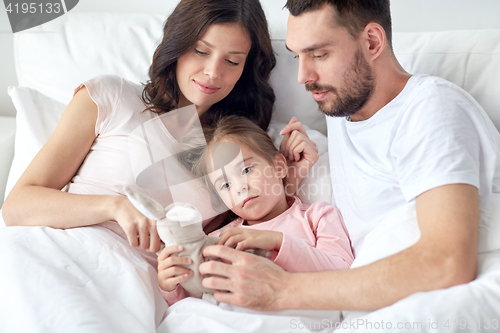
[146, 205]
[280, 166]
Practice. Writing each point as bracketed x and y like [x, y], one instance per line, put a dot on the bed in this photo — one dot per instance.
[90, 280]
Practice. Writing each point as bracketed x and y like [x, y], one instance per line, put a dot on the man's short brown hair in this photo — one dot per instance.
[354, 15]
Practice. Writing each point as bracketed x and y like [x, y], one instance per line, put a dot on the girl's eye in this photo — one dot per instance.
[224, 186]
[200, 52]
[247, 170]
[232, 63]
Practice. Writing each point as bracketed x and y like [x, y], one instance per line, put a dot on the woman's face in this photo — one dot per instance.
[207, 73]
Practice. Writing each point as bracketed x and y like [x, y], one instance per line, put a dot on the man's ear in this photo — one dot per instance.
[280, 166]
[376, 39]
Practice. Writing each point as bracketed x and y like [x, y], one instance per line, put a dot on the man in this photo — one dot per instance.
[393, 139]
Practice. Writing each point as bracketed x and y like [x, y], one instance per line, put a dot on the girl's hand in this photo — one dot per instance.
[242, 239]
[169, 273]
[140, 231]
[300, 151]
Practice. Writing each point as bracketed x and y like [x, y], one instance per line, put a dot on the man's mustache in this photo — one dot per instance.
[319, 88]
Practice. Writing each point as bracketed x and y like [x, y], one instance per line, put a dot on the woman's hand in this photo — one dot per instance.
[140, 231]
[242, 239]
[169, 273]
[300, 151]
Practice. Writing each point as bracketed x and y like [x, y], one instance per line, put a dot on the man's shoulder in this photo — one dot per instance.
[424, 86]
[435, 98]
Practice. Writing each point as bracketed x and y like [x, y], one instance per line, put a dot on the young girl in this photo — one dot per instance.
[247, 172]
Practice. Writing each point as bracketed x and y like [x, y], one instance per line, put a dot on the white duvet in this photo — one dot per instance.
[75, 280]
[90, 280]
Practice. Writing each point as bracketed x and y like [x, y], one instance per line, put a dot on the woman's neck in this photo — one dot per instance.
[184, 102]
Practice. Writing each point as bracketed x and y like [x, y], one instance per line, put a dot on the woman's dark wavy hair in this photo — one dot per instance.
[252, 96]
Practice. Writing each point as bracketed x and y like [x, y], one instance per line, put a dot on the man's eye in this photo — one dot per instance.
[319, 56]
[247, 170]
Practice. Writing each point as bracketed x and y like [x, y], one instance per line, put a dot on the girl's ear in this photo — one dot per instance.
[280, 166]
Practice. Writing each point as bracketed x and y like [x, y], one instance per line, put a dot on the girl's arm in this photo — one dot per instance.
[301, 154]
[332, 250]
[170, 274]
[37, 200]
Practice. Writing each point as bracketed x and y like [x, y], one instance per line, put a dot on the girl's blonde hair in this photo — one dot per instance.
[237, 129]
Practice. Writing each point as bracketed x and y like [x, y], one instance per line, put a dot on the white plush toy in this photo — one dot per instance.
[179, 224]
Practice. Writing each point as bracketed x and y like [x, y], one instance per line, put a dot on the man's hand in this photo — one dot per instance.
[242, 239]
[244, 279]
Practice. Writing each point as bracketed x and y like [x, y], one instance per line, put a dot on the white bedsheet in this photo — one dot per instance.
[90, 280]
[75, 280]
[194, 315]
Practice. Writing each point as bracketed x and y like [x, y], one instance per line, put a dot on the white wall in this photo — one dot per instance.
[408, 15]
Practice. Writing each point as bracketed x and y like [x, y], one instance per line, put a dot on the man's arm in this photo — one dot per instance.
[445, 255]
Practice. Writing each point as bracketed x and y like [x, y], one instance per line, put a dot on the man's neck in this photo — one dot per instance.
[389, 82]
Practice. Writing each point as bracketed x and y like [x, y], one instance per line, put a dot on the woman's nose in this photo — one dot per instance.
[213, 68]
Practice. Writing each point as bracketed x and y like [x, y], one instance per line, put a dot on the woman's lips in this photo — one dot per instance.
[247, 200]
[318, 96]
[205, 87]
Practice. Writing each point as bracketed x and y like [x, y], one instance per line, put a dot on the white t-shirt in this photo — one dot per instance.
[432, 134]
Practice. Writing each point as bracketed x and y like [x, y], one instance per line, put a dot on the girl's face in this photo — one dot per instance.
[207, 73]
[252, 187]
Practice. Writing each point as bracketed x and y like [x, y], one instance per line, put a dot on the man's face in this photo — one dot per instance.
[331, 63]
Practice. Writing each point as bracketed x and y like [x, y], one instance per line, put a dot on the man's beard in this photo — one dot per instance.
[358, 84]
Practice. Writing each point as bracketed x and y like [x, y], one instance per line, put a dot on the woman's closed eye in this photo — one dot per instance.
[200, 52]
[229, 61]
[232, 63]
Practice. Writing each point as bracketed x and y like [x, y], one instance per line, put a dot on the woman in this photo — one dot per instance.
[215, 54]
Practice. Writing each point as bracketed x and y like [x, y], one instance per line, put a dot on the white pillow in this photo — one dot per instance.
[470, 59]
[37, 117]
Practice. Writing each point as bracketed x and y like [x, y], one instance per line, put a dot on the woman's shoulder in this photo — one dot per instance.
[111, 89]
[106, 83]
[105, 79]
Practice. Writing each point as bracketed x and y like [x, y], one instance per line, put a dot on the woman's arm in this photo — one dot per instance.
[37, 199]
